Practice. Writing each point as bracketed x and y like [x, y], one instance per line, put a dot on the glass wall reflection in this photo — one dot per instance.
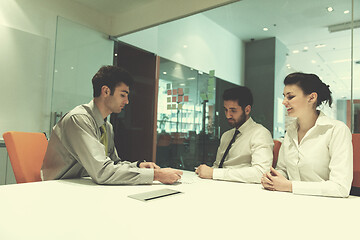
[185, 117]
[309, 37]
[356, 68]
[253, 43]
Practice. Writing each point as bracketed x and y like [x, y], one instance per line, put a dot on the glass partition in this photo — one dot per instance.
[356, 68]
[80, 52]
[308, 37]
[253, 43]
[185, 117]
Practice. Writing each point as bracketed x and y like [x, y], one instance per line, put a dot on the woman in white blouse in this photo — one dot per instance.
[316, 157]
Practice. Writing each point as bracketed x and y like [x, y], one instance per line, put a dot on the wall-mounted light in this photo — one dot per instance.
[330, 9]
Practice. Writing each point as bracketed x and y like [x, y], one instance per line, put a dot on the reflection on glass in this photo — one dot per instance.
[356, 68]
[185, 118]
[301, 36]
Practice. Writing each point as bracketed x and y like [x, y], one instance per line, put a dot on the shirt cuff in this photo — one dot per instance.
[218, 173]
[146, 175]
[133, 164]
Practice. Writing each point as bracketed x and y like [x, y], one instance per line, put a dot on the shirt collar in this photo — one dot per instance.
[322, 120]
[95, 112]
[246, 125]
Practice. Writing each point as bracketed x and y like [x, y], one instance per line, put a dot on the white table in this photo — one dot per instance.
[208, 209]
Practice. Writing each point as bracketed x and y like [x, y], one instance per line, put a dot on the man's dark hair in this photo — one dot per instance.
[240, 94]
[110, 76]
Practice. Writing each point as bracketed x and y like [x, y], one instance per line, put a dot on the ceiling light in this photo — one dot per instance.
[330, 9]
[265, 29]
[185, 46]
[191, 78]
[182, 84]
[164, 73]
[313, 61]
[346, 11]
[295, 51]
[306, 48]
[320, 45]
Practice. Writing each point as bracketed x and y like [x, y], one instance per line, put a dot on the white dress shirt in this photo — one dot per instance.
[249, 157]
[322, 163]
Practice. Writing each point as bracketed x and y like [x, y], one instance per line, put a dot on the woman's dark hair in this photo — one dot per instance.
[310, 83]
[240, 94]
[110, 76]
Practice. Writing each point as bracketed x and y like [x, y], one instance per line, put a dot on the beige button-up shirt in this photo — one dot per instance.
[250, 156]
[75, 150]
[322, 163]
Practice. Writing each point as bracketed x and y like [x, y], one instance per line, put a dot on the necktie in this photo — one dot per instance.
[228, 148]
[104, 138]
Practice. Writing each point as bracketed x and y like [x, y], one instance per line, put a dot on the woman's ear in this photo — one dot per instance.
[313, 97]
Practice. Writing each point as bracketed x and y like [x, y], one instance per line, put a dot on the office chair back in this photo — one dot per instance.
[277, 145]
[356, 149]
[26, 152]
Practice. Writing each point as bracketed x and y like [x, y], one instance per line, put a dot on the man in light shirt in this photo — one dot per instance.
[82, 142]
[246, 151]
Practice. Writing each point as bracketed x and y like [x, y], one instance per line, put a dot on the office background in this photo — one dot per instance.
[51, 49]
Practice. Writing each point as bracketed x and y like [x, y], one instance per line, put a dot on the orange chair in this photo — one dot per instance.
[26, 152]
[277, 145]
[356, 156]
